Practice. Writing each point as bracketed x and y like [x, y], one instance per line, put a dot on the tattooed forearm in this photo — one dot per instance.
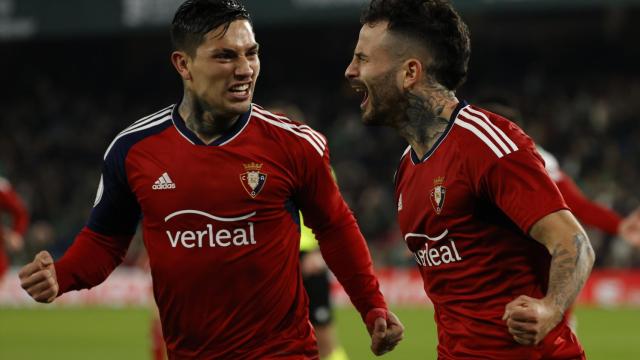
[570, 266]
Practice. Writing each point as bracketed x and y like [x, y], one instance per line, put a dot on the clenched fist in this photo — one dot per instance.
[38, 278]
[530, 320]
[385, 329]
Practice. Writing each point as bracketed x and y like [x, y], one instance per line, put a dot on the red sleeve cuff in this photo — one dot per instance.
[372, 315]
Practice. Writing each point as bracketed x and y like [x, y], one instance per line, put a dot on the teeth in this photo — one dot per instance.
[243, 87]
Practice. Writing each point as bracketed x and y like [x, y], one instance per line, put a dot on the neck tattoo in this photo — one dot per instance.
[425, 123]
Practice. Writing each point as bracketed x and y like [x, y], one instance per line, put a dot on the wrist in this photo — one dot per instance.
[373, 314]
[552, 305]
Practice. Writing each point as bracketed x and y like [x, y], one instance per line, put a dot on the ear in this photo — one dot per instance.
[413, 72]
[181, 61]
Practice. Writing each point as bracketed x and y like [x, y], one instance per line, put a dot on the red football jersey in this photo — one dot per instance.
[11, 204]
[465, 210]
[221, 227]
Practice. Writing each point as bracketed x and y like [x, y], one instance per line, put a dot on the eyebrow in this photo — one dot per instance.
[256, 46]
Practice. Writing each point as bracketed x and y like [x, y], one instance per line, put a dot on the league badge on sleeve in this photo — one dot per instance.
[253, 180]
[437, 194]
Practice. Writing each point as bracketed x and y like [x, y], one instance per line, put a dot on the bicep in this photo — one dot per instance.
[556, 229]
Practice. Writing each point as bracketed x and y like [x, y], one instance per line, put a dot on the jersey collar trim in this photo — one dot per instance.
[226, 137]
[414, 157]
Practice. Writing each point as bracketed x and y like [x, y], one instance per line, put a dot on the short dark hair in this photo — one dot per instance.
[195, 18]
[436, 25]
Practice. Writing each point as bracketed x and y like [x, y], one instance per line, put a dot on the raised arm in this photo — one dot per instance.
[586, 210]
[11, 203]
[630, 228]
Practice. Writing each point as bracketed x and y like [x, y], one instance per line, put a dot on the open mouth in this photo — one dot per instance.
[365, 95]
[240, 90]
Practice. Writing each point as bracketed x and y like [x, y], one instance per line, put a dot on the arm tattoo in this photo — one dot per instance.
[570, 267]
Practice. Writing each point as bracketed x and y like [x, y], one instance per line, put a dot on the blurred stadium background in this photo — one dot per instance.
[76, 72]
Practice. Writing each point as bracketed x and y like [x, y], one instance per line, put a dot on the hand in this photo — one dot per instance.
[38, 278]
[530, 320]
[15, 241]
[312, 263]
[629, 228]
[385, 329]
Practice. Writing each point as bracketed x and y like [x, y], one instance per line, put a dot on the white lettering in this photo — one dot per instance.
[188, 236]
[240, 237]
[455, 250]
[163, 186]
[210, 231]
[201, 234]
[420, 257]
[253, 239]
[431, 256]
[223, 234]
[174, 241]
[446, 254]
[214, 237]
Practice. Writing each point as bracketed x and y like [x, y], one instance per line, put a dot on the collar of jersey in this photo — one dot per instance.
[414, 157]
[227, 136]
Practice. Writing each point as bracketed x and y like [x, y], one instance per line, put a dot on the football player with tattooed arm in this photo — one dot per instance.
[501, 256]
[217, 183]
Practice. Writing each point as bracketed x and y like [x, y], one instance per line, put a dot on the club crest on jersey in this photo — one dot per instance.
[437, 194]
[253, 180]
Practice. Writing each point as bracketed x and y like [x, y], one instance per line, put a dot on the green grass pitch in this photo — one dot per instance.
[104, 333]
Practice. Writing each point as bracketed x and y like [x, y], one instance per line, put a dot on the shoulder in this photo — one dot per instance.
[140, 129]
[488, 135]
[289, 132]
[405, 160]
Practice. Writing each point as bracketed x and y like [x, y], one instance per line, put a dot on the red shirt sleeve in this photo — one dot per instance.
[341, 242]
[520, 186]
[102, 244]
[587, 211]
[90, 260]
[11, 203]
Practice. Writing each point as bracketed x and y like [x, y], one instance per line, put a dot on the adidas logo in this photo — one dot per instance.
[164, 182]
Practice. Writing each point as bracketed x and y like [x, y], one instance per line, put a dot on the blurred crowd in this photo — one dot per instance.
[63, 111]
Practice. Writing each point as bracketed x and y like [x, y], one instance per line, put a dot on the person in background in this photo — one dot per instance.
[315, 277]
[586, 210]
[11, 237]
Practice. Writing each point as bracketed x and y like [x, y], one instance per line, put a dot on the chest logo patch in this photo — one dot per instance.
[252, 179]
[437, 194]
[164, 182]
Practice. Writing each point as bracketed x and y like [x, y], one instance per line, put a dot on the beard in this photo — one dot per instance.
[386, 102]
